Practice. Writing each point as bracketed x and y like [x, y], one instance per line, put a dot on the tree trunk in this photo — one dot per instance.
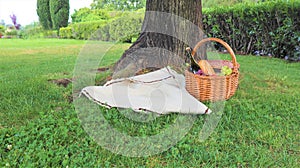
[168, 28]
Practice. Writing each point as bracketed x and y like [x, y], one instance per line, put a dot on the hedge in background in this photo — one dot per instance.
[82, 30]
[122, 29]
[125, 28]
[269, 28]
[87, 14]
[37, 33]
[65, 32]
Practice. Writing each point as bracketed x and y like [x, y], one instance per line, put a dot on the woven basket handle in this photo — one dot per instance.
[229, 49]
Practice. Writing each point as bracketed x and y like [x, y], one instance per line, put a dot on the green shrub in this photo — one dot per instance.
[268, 28]
[102, 33]
[86, 14]
[2, 29]
[32, 31]
[122, 28]
[12, 32]
[37, 31]
[125, 28]
[65, 32]
[84, 30]
[50, 33]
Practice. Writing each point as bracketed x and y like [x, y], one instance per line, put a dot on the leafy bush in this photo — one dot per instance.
[2, 30]
[65, 32]
[102, 33]
[123, 28]
[121, 5]
[225, 3]
[86, 14]
[78, 15]
[32, 31]
[12, 32]
[84, 30]
[268, 28]
[50, 33]
[36, 31]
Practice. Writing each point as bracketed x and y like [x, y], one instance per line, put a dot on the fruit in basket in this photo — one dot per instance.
[206, 67]
[199, 72]
[226, 70]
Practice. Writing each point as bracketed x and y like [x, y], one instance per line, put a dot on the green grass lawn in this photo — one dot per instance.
[259, 127]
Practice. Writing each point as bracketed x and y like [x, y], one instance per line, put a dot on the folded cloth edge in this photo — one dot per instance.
[172, 74]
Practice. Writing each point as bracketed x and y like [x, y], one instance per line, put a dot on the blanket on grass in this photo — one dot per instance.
[162, 91]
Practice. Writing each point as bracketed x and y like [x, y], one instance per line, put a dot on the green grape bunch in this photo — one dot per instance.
[226, 70]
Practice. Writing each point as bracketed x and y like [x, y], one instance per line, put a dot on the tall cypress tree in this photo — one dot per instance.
[43, 11]
[59, 10]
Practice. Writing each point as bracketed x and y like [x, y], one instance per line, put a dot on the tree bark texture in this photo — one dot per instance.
[168, 28]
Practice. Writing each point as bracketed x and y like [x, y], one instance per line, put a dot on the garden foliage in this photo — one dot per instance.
[119, 4]
[122, 28]
[36, 31]
[266, 28]
[43, 11]
[2, 30]
[59, 10]
[270, 28]
[87, 14]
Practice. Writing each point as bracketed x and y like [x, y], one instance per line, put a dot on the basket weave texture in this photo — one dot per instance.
[214, 88]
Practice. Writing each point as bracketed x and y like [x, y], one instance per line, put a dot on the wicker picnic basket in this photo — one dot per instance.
[214, 88]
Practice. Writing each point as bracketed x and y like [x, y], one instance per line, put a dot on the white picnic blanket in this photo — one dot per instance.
[162, 91]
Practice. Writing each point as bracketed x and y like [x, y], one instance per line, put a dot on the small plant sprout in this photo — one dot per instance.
[9, 147]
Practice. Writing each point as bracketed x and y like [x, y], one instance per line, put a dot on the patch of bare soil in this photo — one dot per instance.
[61, 82]
[103, 69]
